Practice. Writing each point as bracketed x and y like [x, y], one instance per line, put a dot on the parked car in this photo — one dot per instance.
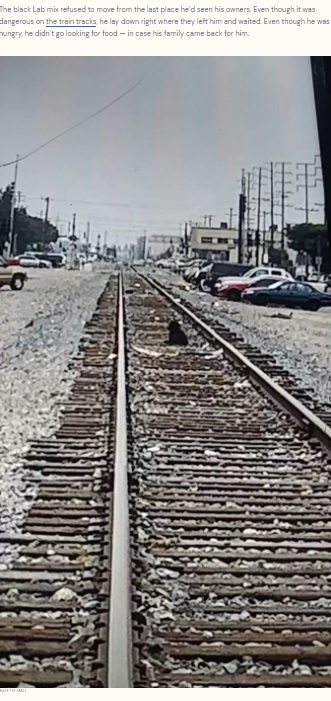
[316, 281]
[164, 263]
[56, 260]
[180, 264]
[265, 271]
[191, 268]
[12, 276]
[260, 271]
[233, 289]
[29, 260]
[216, 273]
[200, 275]
[288, 294]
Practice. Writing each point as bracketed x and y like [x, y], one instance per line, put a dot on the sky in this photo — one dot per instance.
[170, 151]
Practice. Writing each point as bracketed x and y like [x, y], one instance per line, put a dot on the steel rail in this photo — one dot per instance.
[317, 428]
[120, 632]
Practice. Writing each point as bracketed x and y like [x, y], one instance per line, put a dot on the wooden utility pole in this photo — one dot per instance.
[186, 246]
[242, 210]
[12, 240]
[272, 203]
[264, 235]
[257, 236]
[45, 221]
[73, 224]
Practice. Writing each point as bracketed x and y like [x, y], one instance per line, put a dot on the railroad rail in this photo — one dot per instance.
[181, 534]
[54, 599]
[262, 360]
[229, 514]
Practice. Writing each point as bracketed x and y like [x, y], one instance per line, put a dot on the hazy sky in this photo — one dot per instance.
[170, 151]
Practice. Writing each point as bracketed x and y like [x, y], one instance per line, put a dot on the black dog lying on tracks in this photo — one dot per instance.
[177, 337]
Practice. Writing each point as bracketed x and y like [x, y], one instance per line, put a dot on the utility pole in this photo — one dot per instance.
[319, 254]
[284, 196]
[261, 176]
[12, 241]
[73, 224]
[45, 221]
[283, 204]
[306, 185]
[306, 194]
[322, 206]
[231, 216]
[242, 210]
[272, 203]
[145, 245]
[207, 217]
[186, 239]
[248, 217]
[257, 236]
[264, 235]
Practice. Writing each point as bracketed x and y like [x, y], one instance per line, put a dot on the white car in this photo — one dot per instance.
[264, 271]
[259, 272]
[30, 261]
[166, 263]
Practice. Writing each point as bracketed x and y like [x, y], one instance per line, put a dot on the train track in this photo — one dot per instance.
[230, 517]
[180, 536]
[54, 600]
[264, 361]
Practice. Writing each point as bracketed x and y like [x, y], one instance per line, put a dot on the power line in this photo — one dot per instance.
[78, 124]
[112, 204]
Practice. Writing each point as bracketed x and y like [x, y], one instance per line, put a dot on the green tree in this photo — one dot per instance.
[311, 239]
[31, 232]
[278, 257]
[5, 202]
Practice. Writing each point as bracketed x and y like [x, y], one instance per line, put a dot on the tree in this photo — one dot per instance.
[311, 239]
[5, 205]
[278, 257]
[31, 232]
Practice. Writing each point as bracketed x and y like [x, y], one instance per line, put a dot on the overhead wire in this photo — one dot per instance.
[77, 124]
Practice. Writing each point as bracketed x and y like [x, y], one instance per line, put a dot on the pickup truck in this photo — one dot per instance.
[315, 282]
[13, 276]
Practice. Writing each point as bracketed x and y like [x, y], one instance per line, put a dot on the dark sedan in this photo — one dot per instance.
[288, 294]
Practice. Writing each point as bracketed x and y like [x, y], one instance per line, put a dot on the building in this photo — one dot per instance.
[221, 243]
[158, 245]
[214, 243]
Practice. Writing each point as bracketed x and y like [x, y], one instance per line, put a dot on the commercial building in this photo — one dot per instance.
[214, 243]
[221, 243]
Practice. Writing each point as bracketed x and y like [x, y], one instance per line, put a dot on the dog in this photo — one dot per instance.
[177, 337]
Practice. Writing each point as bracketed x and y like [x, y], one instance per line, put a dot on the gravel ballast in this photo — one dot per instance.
[301, 341]
[40, 330]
